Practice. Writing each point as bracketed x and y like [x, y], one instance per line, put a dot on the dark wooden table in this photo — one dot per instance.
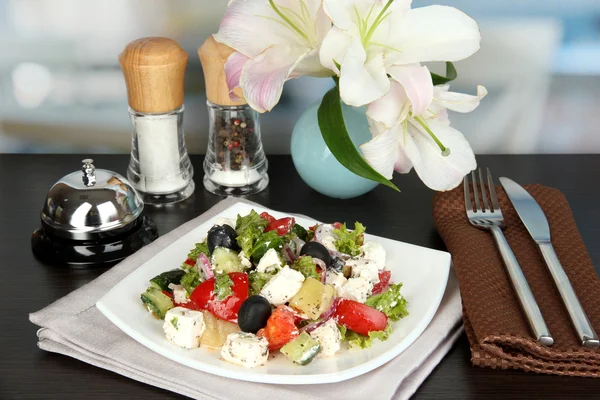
[27, 285]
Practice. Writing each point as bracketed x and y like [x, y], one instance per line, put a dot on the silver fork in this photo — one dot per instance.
[491, 218]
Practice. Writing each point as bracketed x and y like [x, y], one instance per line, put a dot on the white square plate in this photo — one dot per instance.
[423, 271]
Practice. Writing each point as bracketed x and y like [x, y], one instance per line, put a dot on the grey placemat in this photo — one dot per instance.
[73, 326]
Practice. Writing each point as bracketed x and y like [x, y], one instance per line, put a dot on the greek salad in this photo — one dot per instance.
[258, 285]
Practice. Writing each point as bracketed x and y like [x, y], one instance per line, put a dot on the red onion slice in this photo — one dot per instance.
[204, 264]
[299, 243]
[323, 268]
[288, 252]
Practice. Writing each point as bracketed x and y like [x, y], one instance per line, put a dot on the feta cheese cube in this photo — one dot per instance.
[337, 280]
[180, 295]
[184, 327]
[283, 286]
[375, 252]
[245, 349]
[357, 289]
[362, 268]
[326, 236]
[269, 262]
[225, 221]
[244, 260]
[329, 337]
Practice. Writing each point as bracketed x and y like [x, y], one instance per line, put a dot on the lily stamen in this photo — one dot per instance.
[445, 150]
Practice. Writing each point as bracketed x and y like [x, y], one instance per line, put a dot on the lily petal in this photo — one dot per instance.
[439, 172]
[233, 69]
[311, 66]
[251, 26]
[334, 48]
[433, 33]
[392, 108]
[459, 102]
[417, 82]
[264, 75]
[380, 152]
[362, 81]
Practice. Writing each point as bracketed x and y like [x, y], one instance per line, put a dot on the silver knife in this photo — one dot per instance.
[536, 223]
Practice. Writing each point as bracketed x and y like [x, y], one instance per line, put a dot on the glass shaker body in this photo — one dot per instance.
[235, 162]
[159, 166]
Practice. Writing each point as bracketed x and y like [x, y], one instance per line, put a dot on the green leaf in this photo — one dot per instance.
[306, 266]
[223, 284]
[451, 75]
[249, 228]
[391, 302]
[257, 280]
[335, 135]
[191, 280]
[349, 242]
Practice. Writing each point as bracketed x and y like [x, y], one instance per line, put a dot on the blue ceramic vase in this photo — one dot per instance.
[315, 163]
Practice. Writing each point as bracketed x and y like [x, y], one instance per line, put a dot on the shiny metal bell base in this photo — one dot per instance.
[103, 252]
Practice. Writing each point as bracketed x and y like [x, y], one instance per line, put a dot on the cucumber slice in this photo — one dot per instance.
[163, 280]
[157, 302]
[226, 260]
[302, 350]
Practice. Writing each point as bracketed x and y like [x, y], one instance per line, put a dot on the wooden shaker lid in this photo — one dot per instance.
[213, 56]
[154, 70]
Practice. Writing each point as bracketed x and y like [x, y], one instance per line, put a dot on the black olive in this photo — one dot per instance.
[316, 250]
[253, 314]
[222, 236]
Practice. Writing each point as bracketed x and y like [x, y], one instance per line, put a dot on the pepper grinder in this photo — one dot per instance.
[159, 167]
[235, 162]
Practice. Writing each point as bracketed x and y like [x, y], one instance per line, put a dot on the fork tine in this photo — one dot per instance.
[486, 205]
[492, 191]
[468, 205]
[475, 190]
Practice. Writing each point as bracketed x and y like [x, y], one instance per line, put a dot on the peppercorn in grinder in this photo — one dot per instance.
[159, 167]
[235, 162]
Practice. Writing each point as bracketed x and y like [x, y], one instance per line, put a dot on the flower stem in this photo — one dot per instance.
[288, 21]
[445, 150]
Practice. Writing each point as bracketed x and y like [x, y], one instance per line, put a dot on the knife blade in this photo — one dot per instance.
[535, 221]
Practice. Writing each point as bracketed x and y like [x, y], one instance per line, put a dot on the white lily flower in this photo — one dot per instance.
[372, 39]
[403, 139]
[275, 40]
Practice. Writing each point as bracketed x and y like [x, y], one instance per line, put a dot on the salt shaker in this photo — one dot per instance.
[159, 167]
[235, 162]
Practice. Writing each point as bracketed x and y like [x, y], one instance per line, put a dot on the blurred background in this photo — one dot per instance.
[61, 88]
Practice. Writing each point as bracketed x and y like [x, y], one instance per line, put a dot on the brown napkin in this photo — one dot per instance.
[496, 328]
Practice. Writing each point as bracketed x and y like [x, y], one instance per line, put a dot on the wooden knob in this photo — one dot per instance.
[213, 56]
[154, 70]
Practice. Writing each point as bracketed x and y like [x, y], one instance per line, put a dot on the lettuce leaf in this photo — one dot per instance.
[191, 280]
[349, 242]
[306, 266]
[390, 302]
[249, 228]
[264, 242]
[257, 280]
[223, 284]
[359, 341]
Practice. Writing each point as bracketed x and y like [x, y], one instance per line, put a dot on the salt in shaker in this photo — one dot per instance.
[159, 167]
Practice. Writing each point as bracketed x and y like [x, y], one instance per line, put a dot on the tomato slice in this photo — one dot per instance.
[190, 262]
[283, 226]
[384, 282]
[267, 217]
[281, 328]
[203, 297]
[358, 317]
[167, 293]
